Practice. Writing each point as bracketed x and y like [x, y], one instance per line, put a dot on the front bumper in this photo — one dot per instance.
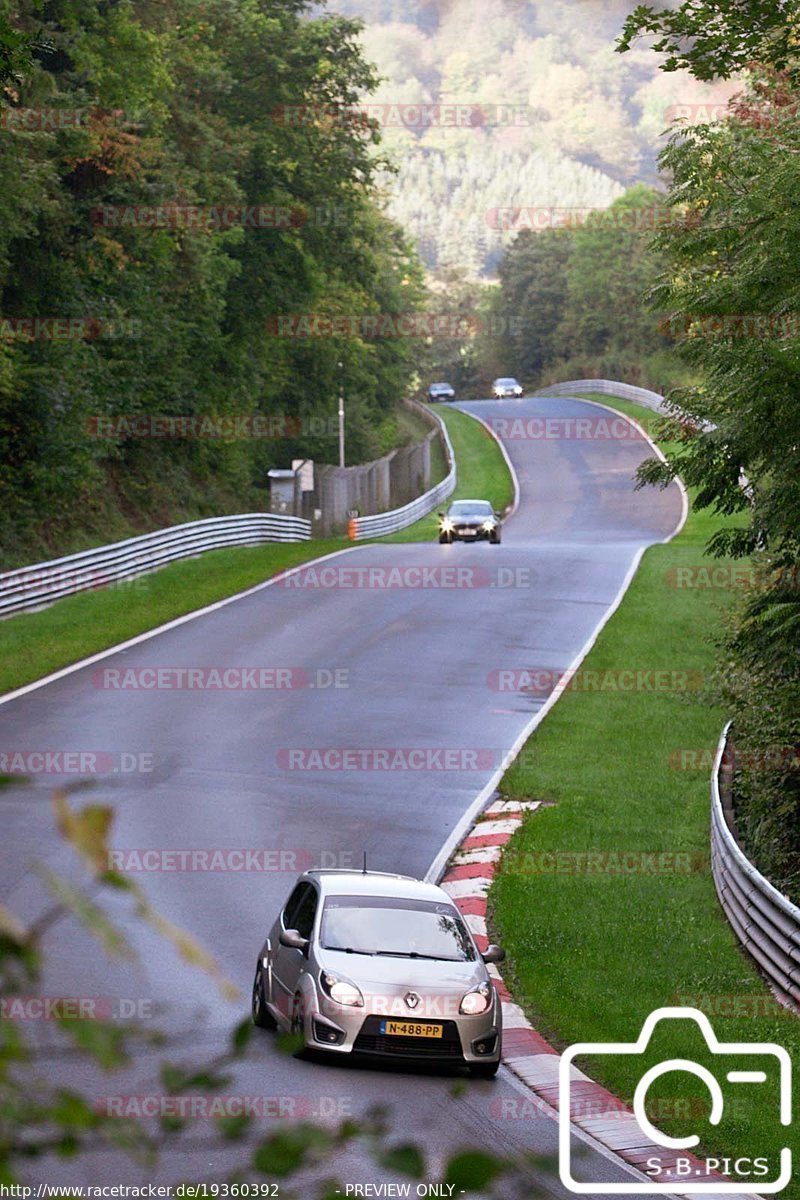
[479, 534]
[356, 1031]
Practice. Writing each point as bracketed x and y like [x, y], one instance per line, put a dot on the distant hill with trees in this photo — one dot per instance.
[590, 121]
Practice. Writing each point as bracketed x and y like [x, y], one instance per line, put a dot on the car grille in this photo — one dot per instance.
[371, 1041]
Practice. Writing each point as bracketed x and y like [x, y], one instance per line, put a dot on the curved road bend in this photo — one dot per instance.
[238, 769]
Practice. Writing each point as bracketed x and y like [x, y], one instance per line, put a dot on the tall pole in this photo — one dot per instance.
[341, 416]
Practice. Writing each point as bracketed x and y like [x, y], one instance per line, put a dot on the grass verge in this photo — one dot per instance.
[482, 472]
[595, 945]
[34, 644]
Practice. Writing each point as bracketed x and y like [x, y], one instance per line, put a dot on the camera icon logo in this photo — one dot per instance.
[683, 1173]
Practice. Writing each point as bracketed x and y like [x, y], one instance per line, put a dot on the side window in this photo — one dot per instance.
[292, 905]
[306, 911]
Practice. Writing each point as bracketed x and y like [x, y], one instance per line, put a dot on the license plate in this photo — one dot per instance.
[467, 532]
[411, 1029]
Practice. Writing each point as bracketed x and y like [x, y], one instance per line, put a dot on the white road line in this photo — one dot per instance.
[151, 633]
[460, 831]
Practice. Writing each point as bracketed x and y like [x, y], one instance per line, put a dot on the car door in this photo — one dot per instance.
[287, 963]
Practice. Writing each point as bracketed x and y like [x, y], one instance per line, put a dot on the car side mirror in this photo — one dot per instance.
[493, 954]
[293, 939]
[440, 516]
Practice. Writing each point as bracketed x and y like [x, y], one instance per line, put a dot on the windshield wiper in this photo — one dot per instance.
[349, 950]
[415, 954]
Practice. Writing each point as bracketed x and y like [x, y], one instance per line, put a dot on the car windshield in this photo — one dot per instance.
[507, 382]
[395, 927]
[471, 508]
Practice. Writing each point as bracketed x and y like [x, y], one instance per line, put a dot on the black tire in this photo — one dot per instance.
[444, 540]
[262, 1017]
[484, 1070]
[494, 540]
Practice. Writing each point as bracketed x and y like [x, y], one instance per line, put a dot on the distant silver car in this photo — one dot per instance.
[470, 521]
[440, 391]
[506, 387]
[382, 965]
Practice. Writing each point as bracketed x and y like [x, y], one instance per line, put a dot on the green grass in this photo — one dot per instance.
[34, 644]
[482, 472]
[592, 954]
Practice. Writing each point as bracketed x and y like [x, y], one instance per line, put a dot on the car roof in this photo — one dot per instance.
[376, 883]
[505, 379]
[468, 501]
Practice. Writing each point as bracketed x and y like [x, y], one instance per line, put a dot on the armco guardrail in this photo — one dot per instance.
[765, 921]
[399, 518]
[606, 387]
[42, 583]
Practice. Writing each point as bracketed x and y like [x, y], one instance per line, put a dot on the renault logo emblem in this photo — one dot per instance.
[411, 999]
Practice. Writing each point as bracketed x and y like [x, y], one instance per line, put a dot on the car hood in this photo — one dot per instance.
[471, 520]
[396, 976]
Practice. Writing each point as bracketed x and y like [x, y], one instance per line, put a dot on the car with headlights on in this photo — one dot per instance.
[502, 388]
[470, 521]
[440, 391]
[369, 963]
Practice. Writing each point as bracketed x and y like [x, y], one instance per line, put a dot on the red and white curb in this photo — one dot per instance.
[593, 1109]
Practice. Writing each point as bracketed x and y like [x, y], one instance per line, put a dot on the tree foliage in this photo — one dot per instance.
[569, 304]
[183, 105]
[731, 289]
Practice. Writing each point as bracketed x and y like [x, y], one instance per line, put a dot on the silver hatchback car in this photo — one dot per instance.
[382, 965]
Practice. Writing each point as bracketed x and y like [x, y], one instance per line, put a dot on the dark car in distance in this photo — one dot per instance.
[469, 521]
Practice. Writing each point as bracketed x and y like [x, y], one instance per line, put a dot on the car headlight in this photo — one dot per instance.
[446, 525]
[489, 525]
[341, 990]
[476, 1001]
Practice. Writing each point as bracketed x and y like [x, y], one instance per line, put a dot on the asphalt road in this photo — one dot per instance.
[377, 662]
